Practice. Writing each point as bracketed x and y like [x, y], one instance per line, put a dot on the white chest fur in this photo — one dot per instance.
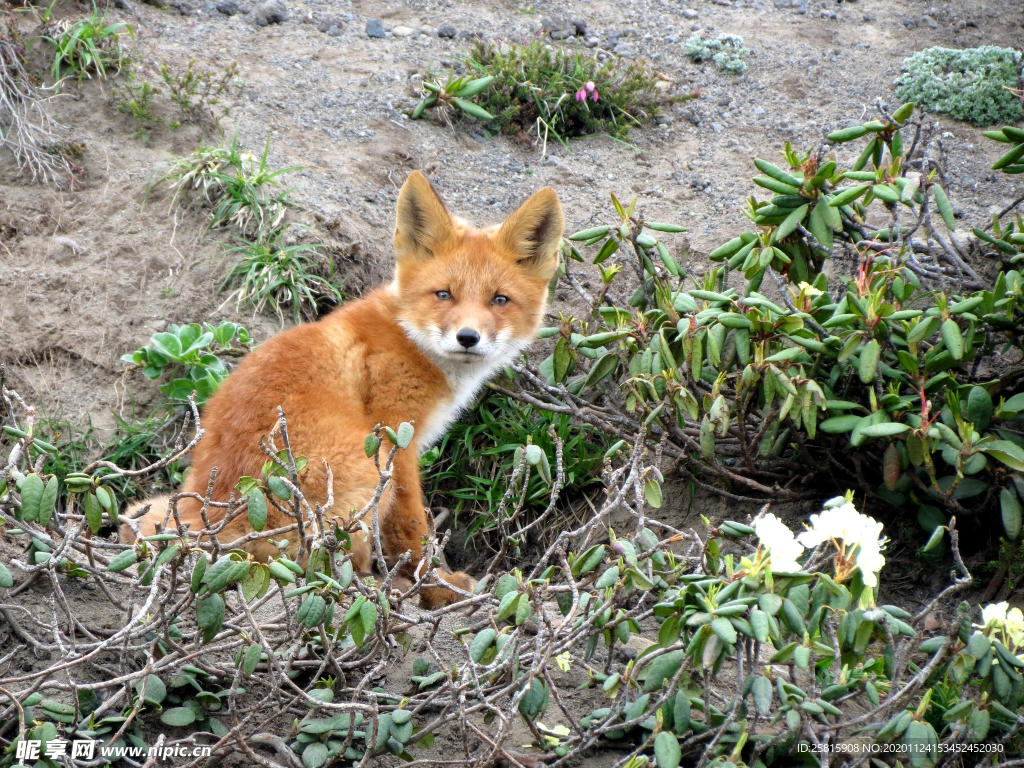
[466, 381]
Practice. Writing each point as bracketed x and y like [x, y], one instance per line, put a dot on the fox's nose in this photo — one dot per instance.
[467, 337]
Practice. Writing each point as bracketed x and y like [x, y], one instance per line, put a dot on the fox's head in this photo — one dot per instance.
[473, 296]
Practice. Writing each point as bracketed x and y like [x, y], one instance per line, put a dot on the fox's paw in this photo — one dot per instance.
[436, 597]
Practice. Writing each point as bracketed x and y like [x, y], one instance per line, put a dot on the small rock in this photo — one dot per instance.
[717, 127]
[122, 4]
[333, 31]
[724, 3]
[932, 23]
[447, 30]
[328, 22]
[468, 34]
[403, 31]
[228, 7]
[591, 42]
[758, 110]
[183, 8]
[209, 7]
[375, 29]
[581, 27]
[868, 18]
[625, 50]
[910, 23]
[558, 28]
[689, 13]
[271, 12]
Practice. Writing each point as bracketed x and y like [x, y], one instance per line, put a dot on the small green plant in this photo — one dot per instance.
[189, 349]
[562, 92]
[135, 98]
[269, 273]
[235, 185]
[473, 461]
[974, 84]
[455, 93]
[88, 45]
[198, 92]
[726, 51]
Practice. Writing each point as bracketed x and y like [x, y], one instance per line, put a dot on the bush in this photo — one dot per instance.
[561, 91]
[973, 84]
[726, 51]
[474, 460]
[88, 45]
[235, 185]
[189, 350]
[270, 273]
[872, 381]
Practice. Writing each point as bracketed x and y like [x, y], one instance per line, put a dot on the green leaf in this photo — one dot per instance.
[178, 717]
[251, 659]
[93, 512]
[210, 615]
[953, 339]
[868, 367]
[887, 429]
[979, 408]
[315, 755]
[472, 109]
[1011, 512]
[6, 580]
[279, 488]
[945, 209]
[667, 751]
[257, 510]
[404, 434]
[1011, 454]
[652, 493]
[31, 489]
[156, 691]
[370, 445]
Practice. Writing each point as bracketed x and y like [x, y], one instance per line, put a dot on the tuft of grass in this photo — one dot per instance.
[474, 460]
[974, 84]
[535, 88]
[268, 273]
[198, 92]
[240, 189]
[88, 45]
[726, 51]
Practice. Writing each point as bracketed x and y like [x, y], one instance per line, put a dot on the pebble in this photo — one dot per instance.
[208, 7]
[375, 29]
[403, 31]
[271, 12]
[447, 30]
[328, 23]
[758, 110]
[689, 13]
[932, 23]
[717, 127]
[333, 31]
[625, 50]
[228, 8]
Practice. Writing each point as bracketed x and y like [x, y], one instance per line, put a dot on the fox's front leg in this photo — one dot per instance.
[402, 530]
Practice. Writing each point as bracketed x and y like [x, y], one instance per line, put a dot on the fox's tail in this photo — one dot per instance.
[147, 523]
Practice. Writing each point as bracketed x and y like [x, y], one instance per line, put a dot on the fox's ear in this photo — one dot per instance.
[423, 223]
[534, 232]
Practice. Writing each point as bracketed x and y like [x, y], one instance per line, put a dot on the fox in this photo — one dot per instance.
[463, 302]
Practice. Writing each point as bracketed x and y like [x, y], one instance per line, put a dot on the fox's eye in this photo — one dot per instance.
[500, 300]
[443, 295]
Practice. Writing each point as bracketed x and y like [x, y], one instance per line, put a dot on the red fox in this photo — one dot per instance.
[463, 302]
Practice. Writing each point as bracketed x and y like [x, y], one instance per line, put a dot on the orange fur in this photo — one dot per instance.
[389, 357]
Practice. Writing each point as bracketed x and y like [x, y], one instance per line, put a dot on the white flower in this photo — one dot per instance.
[993, 615]
[1015, 627]
[839, 520]
[782, 546]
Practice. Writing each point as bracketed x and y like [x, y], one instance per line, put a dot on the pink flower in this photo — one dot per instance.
[581, 94]
[591, 88]
[593, 94]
